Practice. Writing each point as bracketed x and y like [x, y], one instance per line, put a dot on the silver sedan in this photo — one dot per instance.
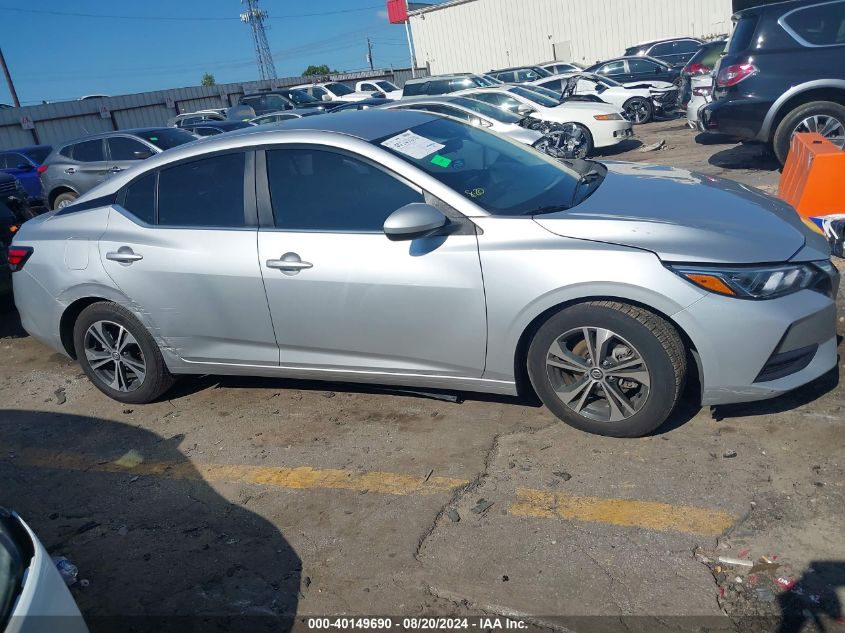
[403, 248]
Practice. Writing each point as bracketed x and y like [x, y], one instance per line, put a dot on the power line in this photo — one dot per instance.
[170, 18]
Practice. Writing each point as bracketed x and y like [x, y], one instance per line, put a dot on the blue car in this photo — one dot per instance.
[23, 164]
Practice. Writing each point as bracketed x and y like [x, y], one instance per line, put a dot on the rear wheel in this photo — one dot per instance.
[118, 354]
[608, 368]
[638, 110]
[64, 199]
[825, 117]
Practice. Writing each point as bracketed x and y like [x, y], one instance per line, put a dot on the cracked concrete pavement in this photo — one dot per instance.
[234, 498]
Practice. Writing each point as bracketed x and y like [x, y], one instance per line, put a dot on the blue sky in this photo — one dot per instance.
[59, 57]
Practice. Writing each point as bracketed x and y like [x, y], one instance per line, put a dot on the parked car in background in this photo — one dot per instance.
[782, 73]
[389, 89]
[23, 164]
[336, 91]
[519, 74]
[9, 225]
[440, 84]
[559, 67]
[286, 115]
[16, 198]
[674, 51]
[595, 125]
[475, 112]
[636, 69]
[33, 595]
[192, 118]
[702, 63]
[212, 128]
[701, 93]
[282, 99]
[74, 167]
[640, 103]
[470, 261]
[363, 105]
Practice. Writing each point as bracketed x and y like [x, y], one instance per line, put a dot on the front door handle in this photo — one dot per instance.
[289, 264]
[124, 255]
[115, 169]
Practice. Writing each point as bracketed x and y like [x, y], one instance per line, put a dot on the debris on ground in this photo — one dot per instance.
[67, 570]
[453, 515]
[729, 454]
[61, 398]
[654, 146]
[482, 505]
[86, 527]
[562, 474]
[736, 562]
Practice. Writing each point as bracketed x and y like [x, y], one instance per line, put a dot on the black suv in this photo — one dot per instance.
[782, 73]
[283, 99]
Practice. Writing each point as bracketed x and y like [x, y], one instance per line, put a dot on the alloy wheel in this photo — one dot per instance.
[636, 112]
[598, 374]
[115, 356]
[830, 127]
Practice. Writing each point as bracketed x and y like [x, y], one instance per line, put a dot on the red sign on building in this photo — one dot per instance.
[397, 11]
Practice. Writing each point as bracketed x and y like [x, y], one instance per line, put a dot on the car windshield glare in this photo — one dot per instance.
[339, 89]
[487, 110]
[300, 96]
[386, 86]
[534, 97]
[503, 177]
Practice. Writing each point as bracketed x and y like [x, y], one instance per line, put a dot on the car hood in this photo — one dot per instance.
[683, 217]
[651, 85]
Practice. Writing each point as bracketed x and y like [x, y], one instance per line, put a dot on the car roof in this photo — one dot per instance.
[419, 80]
[665, 39]
[235, 125]
[503, 70]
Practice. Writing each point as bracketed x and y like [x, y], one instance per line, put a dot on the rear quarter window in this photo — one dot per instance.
[743, 34]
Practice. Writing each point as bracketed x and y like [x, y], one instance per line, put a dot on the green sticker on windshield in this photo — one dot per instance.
[153, 138]
[441, 161]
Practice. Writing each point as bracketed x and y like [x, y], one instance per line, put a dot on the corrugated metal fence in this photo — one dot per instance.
[54, 123]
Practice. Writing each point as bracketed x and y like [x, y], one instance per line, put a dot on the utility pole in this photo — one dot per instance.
[9, 83]
[410, 44]
[370, 53]
[255, 18]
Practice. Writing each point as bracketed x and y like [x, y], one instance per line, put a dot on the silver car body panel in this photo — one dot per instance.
[445, 312]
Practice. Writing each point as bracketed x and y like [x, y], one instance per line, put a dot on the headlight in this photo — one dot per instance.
[753, 283]
[608, 117]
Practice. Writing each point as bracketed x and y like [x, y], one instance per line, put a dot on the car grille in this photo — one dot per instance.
[8, 187]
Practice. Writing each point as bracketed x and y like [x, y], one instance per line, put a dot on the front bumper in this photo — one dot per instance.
[607, 133]
[753, 350]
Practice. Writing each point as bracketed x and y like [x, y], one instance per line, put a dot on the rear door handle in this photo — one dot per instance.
[115, 169]
[290, 263]
[124, 255]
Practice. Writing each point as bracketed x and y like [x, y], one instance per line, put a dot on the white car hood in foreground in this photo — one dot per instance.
[686, 217]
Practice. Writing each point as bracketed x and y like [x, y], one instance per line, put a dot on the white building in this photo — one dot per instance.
[477, 35]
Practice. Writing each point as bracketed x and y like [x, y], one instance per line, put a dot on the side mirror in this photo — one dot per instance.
[326, 97]
[413, 221]
[524, 109]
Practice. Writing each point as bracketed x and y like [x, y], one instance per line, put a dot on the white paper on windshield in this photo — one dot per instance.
[412, 145]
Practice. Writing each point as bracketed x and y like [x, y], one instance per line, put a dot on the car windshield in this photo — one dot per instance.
[485, 109]
[300, 96]
[534, 97]
[501, 176]
[386, 86]
[339, 89]
[38, 154]
[546, 92]
[542, 72]
[167, 138]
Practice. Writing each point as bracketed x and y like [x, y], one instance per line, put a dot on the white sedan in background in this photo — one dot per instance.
[335, 91]
[591, 125]
[390, 89]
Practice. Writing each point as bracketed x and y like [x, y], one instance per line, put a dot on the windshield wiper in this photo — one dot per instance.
[551, 208]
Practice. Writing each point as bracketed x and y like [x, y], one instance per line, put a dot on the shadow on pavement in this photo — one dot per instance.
[813, 599]
[620, 148]
[161, 551]
[746, 156]
[712, 138]
[10, 323]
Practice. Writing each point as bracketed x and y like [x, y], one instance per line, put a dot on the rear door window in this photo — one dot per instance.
[642, 66]
[612, 68]
[665, 48]
[89, 151]
[124, 148]
[817, 25]
[207, 192]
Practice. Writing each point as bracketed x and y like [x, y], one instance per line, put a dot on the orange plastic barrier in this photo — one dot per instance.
[813, 177]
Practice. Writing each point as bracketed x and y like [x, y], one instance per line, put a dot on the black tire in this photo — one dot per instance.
[655, 341]
[644, 110]
[64, 199]
[157, 378]
[793, 121]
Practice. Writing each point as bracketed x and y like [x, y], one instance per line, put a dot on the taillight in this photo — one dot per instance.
[696, 69]
[732, 75]
[42, 168]
[17, 256]
[702, 92]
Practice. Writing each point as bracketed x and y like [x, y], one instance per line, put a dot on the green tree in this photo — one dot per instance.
[322, 69]
[208, 79]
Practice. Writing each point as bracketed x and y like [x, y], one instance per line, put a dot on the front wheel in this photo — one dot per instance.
[118, 354]
[64, 199]
[638, 110]
[825, 117]
[608, 368]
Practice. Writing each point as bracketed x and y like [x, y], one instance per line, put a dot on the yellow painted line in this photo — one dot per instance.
[301, 478]
[651, 515]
